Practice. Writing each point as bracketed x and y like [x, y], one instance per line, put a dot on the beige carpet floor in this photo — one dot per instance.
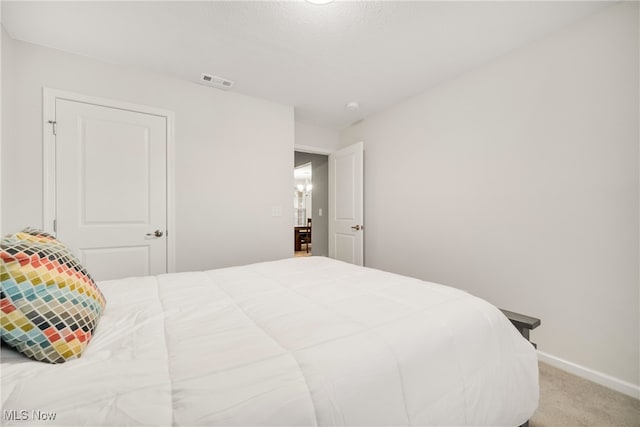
[567, 401]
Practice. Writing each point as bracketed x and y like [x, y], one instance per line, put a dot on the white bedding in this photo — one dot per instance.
[301, 341]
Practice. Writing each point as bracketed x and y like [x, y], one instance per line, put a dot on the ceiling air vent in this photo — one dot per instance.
[215, 81]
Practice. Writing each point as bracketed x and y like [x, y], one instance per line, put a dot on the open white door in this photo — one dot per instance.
[111, 188]
[346, 207]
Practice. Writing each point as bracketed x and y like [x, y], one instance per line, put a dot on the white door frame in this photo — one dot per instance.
[49, 97]
[312, 150]
[329, 152]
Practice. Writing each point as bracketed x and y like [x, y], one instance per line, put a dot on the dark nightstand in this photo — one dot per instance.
[522, 323]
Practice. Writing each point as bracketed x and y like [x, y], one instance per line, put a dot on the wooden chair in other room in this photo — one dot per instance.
[305, 235]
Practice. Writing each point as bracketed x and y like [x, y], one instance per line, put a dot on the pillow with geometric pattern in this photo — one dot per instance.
[49, 303]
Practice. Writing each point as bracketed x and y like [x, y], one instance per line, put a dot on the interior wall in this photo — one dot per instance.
[518, 182]
[3, 100]
[233, 153]
[320, 200]
[310, 138]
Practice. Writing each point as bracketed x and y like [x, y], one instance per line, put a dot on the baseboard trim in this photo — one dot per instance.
[591, 375]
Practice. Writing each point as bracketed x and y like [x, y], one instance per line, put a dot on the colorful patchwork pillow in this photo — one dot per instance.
[49, 303]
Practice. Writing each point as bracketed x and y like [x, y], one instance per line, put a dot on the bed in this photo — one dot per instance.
[297, 342]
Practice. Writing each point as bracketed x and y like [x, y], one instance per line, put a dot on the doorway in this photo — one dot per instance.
[302, 209]
[311, 204]
[115, 219]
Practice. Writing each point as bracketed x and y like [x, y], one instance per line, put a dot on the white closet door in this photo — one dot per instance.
[111, 188]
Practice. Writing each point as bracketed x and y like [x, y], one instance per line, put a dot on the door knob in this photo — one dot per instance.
[156, 233]
[356, 227]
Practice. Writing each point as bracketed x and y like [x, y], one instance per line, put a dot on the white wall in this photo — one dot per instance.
[226, 145]
[314, 139]
[3, 35]
[519, 182]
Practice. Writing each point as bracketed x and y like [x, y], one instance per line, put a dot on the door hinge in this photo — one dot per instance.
[53, 126]
[55, 226]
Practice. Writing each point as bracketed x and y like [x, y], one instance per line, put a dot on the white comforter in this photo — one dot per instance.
[305, 341]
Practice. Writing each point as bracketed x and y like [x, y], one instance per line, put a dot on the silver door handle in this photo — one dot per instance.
[156, 233]
[356, 227]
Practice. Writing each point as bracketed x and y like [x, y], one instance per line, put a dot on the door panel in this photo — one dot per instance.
[345, 248]
[111, 188]
[346, 207]
[104, 145]
[129, 261]
[344, 168]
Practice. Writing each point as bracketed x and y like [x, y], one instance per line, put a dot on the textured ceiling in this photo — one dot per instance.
[316, 58]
